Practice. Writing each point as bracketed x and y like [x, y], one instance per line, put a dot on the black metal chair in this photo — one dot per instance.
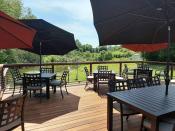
[125, 111]
[17, 78]
[135, 83]
[12, 113]
[47, 70]
[89, 77]
[60, 83]
[101, 67]
[33, 82]
[127, 72]
[153, 81]
[165, 124]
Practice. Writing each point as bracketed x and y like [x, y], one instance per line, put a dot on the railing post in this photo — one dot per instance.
[90, 68]
[53, 68]
[171, 71]
[120, 69]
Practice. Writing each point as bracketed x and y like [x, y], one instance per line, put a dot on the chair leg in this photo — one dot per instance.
[61, 92]
[141, 126]
[13, 89]
[121, 117]
[30, 93]
[127, 117]
[66, 89]
[40, 94]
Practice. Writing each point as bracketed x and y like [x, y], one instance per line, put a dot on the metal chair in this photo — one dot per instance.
[126, 72]
[12, 113]
[47, 70]
[17, 78]
[32, 82]
[60, 83]
[125, 111]
[165, 124]
[103, 78]
[89, 78]
[100, 67]
[135, 83]
[153, 81]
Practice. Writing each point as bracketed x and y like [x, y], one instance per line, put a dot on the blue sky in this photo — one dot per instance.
[74, 16]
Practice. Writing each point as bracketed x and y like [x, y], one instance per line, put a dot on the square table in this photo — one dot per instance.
[46, 77]
[150, 101]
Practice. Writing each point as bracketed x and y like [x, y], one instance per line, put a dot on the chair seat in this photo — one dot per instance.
[19, 82]
[126, 109]
[34, 87]
[166, 124]
[172, 81]
[119, 78]
[55, 82]
[103, 82]
[90, 77]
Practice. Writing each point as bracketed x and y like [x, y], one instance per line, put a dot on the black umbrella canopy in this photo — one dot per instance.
[54, 40]
[133, 21]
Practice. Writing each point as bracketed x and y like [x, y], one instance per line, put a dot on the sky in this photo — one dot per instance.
[74, 16]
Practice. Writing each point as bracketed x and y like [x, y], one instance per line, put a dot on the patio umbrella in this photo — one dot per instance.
[53, 40]
[135, 22]
[50, 39]
[14, 34]
[145, 47]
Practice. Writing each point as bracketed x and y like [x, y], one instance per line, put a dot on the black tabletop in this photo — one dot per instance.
[150, 100]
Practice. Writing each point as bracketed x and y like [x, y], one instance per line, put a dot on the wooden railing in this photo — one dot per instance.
[121, 63]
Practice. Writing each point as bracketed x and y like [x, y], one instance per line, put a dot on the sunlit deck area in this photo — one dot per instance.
[82, 109]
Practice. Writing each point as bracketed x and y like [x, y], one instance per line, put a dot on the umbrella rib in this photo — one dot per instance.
[124, 28]
[19, 23]
[128, 12]
[15, 36]
[157, 32]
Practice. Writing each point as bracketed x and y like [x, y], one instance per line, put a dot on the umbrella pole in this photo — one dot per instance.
[40, 57]
[167, 80]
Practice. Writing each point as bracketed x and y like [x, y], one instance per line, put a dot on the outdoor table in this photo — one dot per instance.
[150, 101]
[46, 77]
[95, 78]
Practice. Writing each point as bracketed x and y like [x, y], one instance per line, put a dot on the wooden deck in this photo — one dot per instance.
[81, 110]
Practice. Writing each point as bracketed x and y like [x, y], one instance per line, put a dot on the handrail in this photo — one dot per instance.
[90, 64]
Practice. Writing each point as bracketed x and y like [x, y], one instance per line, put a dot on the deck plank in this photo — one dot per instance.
[81, 110]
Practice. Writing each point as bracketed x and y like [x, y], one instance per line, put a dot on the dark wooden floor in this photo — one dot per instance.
[81, 110]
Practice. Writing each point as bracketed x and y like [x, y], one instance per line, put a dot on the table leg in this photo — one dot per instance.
[109, 113]
[154, 125]
[95, 82]
[47, 89]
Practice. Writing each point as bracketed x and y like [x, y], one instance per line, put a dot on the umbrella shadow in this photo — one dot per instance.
[36, 112]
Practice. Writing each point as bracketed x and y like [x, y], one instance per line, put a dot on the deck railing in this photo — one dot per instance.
[91, 66]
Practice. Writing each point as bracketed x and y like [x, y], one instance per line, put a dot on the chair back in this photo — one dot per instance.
[104, 75]
[63, 77]
[102, 68]
[86, 71]
[153, 81]
[11, 112]
[47, 70]
[32, 80]
[16, 75]
[135, 83]
[117, 85]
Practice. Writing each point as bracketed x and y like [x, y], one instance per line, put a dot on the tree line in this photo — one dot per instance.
[85, 52]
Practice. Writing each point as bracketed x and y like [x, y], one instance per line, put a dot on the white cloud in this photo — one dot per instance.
[78, 9]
